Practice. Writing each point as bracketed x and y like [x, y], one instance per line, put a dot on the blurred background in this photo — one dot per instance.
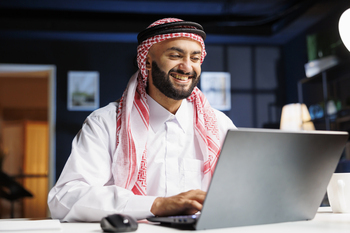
[276, 52]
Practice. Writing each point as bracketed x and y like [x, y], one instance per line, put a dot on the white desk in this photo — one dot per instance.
[325, 221]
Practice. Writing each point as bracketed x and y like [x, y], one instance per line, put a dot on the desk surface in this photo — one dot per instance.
[324, 221]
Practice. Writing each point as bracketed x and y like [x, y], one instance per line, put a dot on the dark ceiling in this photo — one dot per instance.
[274, 21]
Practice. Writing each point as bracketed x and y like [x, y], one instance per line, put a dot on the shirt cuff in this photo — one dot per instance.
[139, 207]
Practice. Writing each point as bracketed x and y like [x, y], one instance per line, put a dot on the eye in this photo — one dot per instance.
[175, 56]
[195, 59]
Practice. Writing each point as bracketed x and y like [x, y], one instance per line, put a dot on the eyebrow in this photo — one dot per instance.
[182, 51]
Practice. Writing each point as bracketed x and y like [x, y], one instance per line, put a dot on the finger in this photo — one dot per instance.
[193, 205]
[194, 193]
[197, 195]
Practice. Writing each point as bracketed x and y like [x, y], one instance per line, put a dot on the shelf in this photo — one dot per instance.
[343, 119]
[329, 81]
[333, 73]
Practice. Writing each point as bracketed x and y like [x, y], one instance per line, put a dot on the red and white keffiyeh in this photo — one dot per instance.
[130, 161]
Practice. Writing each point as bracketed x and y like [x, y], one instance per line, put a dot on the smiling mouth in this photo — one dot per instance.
[181, 77]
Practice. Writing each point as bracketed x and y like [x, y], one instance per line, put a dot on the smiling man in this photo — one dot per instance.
[154, 151]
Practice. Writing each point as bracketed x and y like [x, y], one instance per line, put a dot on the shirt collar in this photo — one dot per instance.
[159, 115]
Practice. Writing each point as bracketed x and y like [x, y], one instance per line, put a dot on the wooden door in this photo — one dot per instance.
[27, 144]
[35, 168]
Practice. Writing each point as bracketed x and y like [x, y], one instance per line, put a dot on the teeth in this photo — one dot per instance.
[183, 78]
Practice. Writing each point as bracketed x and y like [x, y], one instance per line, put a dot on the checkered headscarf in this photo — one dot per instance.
[143, 48]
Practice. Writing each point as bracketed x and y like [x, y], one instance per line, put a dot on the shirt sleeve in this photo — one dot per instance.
[85, 190]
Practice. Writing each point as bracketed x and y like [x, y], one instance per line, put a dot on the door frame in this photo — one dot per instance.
[51, 69]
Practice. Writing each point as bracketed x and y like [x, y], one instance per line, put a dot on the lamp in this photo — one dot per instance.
[296, 117]
[344, 25]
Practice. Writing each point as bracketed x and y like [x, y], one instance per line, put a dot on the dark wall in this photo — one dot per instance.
[114, 62]
[256, 82]
[294, 58]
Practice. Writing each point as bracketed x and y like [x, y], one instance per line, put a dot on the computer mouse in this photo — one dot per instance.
[119, 223]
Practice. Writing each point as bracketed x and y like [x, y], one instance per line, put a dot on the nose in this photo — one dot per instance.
[186, 65]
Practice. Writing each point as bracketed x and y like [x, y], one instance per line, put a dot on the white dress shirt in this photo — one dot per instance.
[174, 159]
[85, 190]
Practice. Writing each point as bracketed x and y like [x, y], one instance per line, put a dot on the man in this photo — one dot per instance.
[154, 151]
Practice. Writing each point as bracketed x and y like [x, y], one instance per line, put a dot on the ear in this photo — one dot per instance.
[148, 63]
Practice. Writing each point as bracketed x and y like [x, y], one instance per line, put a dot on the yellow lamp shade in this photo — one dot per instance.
[296, 117]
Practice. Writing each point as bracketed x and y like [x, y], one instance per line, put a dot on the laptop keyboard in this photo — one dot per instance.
[185, 218]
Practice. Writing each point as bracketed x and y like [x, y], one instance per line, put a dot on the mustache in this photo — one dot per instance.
[175, 70]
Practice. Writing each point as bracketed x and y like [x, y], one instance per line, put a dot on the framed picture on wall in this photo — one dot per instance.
[216, 86]
[83, 90]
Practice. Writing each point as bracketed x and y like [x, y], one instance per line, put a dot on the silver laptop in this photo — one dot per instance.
[267, 176]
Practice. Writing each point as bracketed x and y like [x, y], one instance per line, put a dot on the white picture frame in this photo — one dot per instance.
[83, 90]
[216, 86]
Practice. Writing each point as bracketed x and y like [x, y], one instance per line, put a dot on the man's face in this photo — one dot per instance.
[174, 68]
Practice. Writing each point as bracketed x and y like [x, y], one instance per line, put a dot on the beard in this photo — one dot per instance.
[162, 82]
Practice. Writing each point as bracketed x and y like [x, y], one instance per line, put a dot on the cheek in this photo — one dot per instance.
[166, 65]
[198, 69]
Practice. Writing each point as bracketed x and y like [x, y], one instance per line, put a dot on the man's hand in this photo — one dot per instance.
[189, 202]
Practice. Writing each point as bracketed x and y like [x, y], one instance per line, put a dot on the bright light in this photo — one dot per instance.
[344, 28]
